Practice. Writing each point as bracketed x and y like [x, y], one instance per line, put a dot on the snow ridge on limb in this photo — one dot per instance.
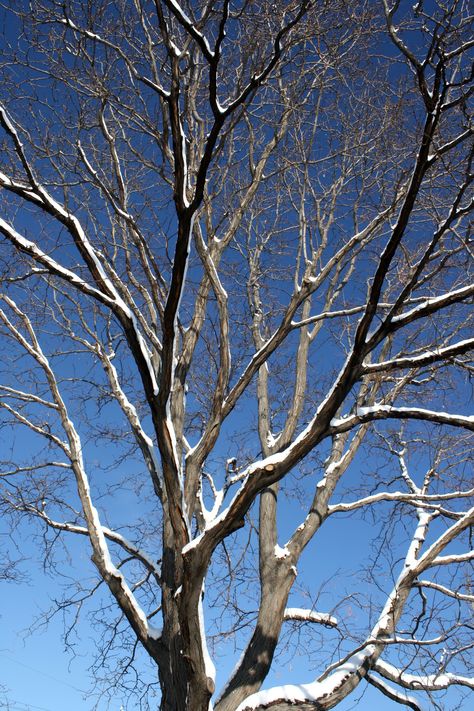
[401, 697]
[426, 358]
[315, 692]
[446, 591]
[303, 615]
[415, 682]
[274, 466]
[145, 442]
[186, 211]
[191, 28]
[111, 45]
[427, 501]
[432, 304]
[50, 264]
[383, 412]
[111, 535]
[257, 79]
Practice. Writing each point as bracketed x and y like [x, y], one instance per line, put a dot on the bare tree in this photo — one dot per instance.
[235, 307]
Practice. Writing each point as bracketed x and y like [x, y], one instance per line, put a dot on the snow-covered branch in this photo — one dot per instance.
[190, 27]
[416, 361]
[414, 682]
[400, 697]
[303, 615]
[417, 499]
[446, 591]
[51, 265]
[383, 412]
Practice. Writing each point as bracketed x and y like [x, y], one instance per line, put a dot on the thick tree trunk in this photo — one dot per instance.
[185, 685]
[258, 656]
[173, 672]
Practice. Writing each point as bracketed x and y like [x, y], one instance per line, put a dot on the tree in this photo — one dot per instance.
[235, 308]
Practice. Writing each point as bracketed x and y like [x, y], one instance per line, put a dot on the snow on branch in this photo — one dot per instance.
[431, 556]
[400, 697]
[51, 265]
[312, 692]
[428, 682]
[257, 79]
[418, 500]
[302, 615]
[152, 565]
[384, 412]
[35, 192]
[430, 356]
[433, 304]
[107, 290]
[145, 442]
[443, 589]
[454, 558]
[190, 27]
[74, 450]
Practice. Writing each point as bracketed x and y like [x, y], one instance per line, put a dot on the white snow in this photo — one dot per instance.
[428, 681]
[128, 407]
[192, 544]
[435, 301]
[96, 531]
[7, 182]
[271, 439]
[333, 466]
[397, 695]
[301, 614]
[454, 558]
[313, 691]
[50, 263]
[180, 13]
[210, 514]
[176, 50]
[8, 124]
[131, 547]
[361, 411]
[81, 236]
[185, 180]
[424, 519]
[322, 483]
[232, 674]
[379, 411]
[268, 463]
[208, 663]
[281, 552]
